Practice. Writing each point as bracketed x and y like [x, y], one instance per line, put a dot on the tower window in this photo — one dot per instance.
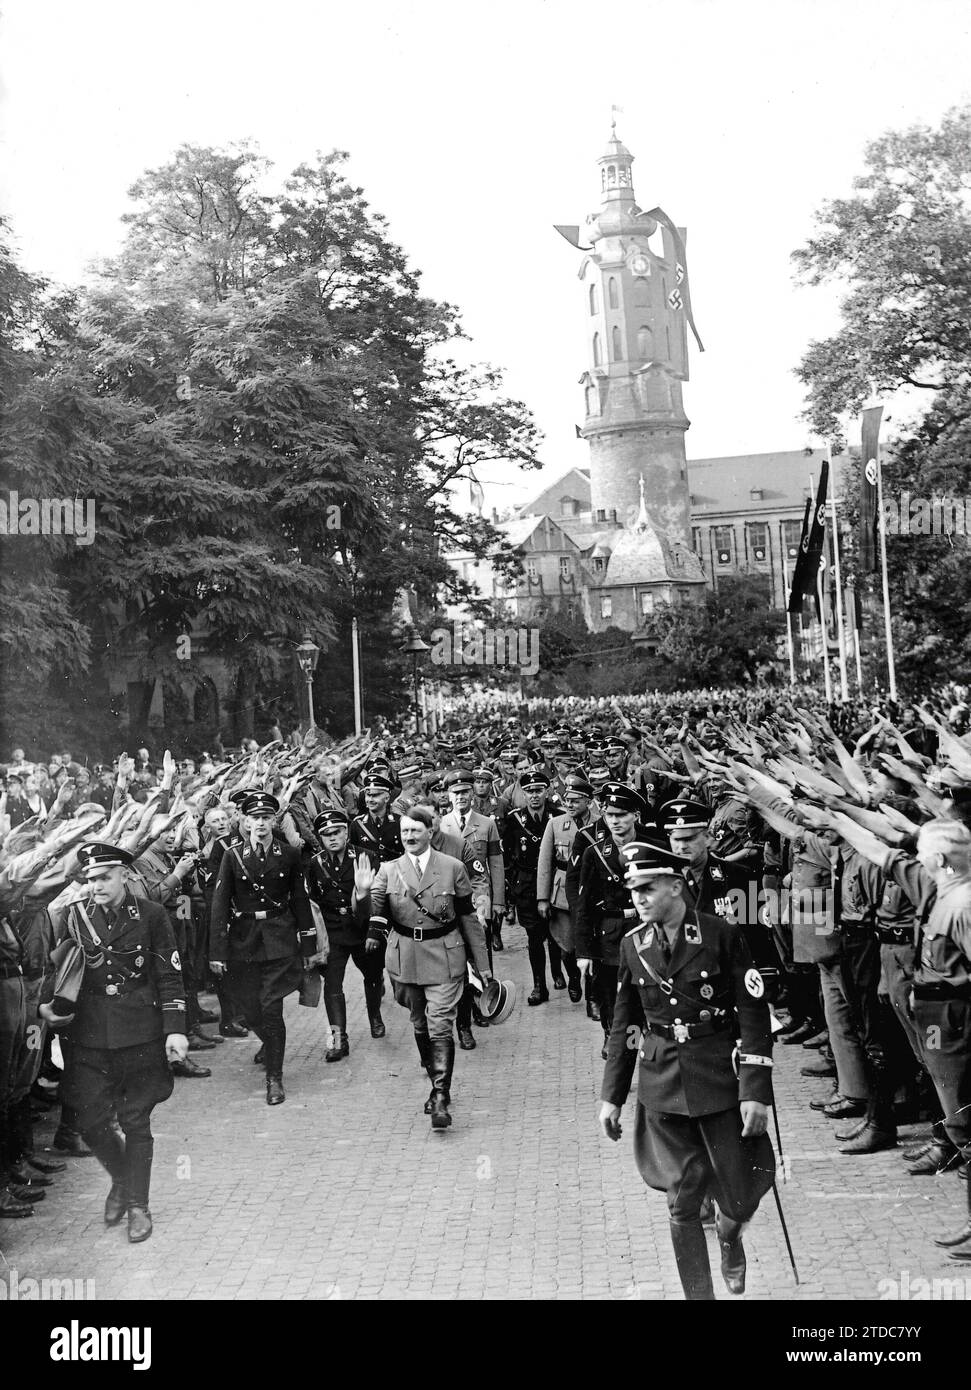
[645, 342]
[601, 514]
[596, 350]
[615, 346]
[612, 292]
[611, 175]
[647, 604]
[641, 292]
[593, 299]
[606, 606]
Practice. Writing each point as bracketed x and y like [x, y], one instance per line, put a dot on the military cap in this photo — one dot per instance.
[683, 815]
[575, 783]
[617, 796]
[378, 765]
[334, 818]
[642, 862]
[615, 742]
[457, 777]
[260, 803]
[436, 788]
[483, 774]
[409, 770]
[14, 776]
[96, 854]
[377, 782]
[599, 778]
[549, 739]
[532, 778]
[239, 796]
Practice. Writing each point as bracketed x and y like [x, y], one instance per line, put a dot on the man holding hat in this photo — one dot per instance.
[263, 931]
[554, 861]
[128, 1023]
[331, 883]
[479, 833]
[421, 905]
[522, 837]
[687, 985]
[377, 830]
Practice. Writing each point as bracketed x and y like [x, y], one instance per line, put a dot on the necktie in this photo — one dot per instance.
[261, 852]
[417, 864]
[461, 825]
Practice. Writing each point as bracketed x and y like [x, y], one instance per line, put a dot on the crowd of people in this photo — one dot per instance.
[716, 871]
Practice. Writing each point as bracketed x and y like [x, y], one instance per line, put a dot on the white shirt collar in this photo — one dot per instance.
[422, 860]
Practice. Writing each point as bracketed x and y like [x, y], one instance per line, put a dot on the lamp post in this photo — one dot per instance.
[308, 655]
[417, 648]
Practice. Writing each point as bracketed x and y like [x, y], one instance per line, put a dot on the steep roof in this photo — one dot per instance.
[728, 484]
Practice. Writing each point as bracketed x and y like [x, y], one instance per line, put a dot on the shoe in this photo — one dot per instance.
[23, 1178]
[233, 1030]
[961, 1238]
[65, 1141]
[188, 1068]
[822, 1104]
[139, 1224]
[260, 1057]
[340, 1046]
[817, 1040]
[25, 1194]
[378, 1029]
[116, 1204]
[45, 1165]
[466, 1041]
[593, 1010]
[478, 1017]
[932, 1161]
[919, 1150]
[820, 1069]
[870, 1141]
[559, 982]
[603, 1052]
[497, 940]
[799, 1034]
[10, 1207]
[539, 994]
[574, 991]
[854, 1132]
[207, 1016]
[732, 1253]
[275, 1094]
[198, 1042]
[844, 1109]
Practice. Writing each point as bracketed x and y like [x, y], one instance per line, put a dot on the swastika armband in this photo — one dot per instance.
[753, 1059]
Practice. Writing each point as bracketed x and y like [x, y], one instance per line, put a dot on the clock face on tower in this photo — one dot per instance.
[640, 264]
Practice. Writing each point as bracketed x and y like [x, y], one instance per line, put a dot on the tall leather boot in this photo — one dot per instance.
[880, 1130]
[373, 994]
[556, 959]
[537, 962]
[691, 1254]
[963, 1236]
[340, 1046]
[108, 1147]
[275, 1046]
[424, 1045]
[732, 1252]
[574, 985]
[138, 1166]
[463, 1020]
[443, 1061]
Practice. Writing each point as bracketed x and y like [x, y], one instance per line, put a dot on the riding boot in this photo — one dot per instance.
[443, 1061]
[340, 1047]
[880, 1131]
[556, 958]
[373, 994]
[691, 1254]
[537, 961]
[138, 1167]
[574, 984]
[108, 1148]
[424, 1045]
[963, 1236]
[733, 1252]
[275, 1046]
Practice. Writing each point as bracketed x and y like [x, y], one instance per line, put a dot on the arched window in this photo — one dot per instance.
[612, 292]
[593, 299]
[641, 292]
[591, 395]
[611, 176]
[667, 335]
[645, 342]
[596, 349]
[615, 347]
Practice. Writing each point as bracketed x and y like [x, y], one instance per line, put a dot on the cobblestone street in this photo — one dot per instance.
[344, 1191]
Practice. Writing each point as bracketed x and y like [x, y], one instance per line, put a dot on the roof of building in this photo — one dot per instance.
[745, 482]
[535, 507]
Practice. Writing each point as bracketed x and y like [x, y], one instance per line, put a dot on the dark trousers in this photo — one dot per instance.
[260, 988]
[538, 940]
[687, 1157]
[371, 966]
[605, 991]
[945, 1024]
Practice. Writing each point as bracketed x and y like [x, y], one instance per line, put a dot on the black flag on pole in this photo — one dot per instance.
[869, 465]
[811, 546]
[796, 587]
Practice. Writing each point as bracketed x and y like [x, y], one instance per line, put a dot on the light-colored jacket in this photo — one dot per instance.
[442, 887]
[554, 858]
[482, 838]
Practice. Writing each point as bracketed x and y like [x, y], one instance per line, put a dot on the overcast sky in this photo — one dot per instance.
[474, 128]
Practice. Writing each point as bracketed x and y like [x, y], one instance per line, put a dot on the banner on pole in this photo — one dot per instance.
[805, 581]
[869, 466]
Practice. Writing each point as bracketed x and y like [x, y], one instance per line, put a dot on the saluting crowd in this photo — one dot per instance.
[707, 874]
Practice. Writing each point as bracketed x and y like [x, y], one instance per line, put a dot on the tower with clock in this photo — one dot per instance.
[635, 306]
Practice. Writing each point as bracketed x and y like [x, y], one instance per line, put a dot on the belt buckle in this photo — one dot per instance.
[681, 1033]
[260, 916]
[419, 934]
[111, 989]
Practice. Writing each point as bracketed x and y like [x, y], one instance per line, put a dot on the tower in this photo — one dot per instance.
[637, 357]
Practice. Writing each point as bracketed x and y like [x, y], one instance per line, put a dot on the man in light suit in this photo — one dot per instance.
[482, 837]
[554, 861]
[421, 903]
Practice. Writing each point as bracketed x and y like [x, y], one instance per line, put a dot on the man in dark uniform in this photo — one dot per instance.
[128, 1024]
[552, 866]
[331, 883]
[378, 830]
[522, 836]
[687, 982]
[602, 905]
[262, 928]
[218, 824]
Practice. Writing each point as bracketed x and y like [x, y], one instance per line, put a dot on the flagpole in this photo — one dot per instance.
[859, 664]
[827, 679]
[891, 668]
[789, 646]
[840, 629]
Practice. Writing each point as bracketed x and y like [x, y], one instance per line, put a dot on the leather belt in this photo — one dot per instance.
[424, 933]
[896, 936]
[9, 972]
[681, 1032]
[942, 990]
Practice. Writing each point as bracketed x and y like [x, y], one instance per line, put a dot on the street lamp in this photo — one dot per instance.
[308, 655]
[417, 648]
